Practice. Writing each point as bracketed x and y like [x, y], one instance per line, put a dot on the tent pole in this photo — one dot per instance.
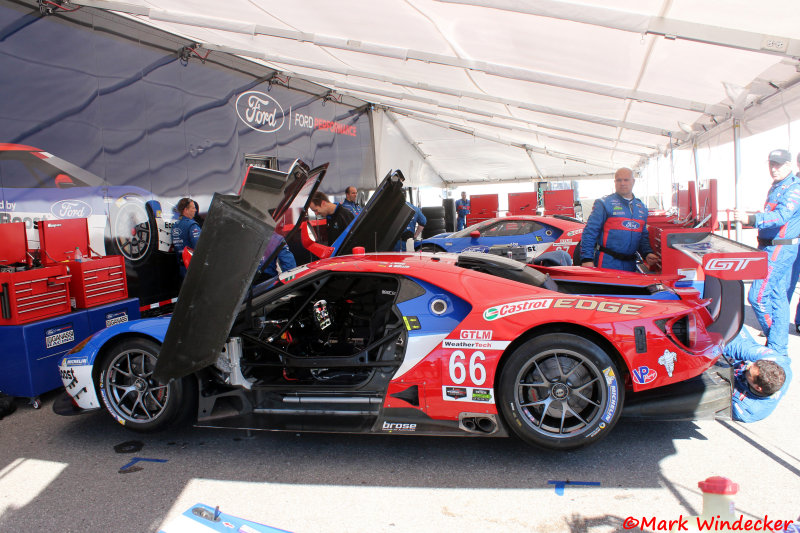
[737, 169]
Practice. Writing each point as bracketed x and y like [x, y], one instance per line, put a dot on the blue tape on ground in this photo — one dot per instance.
[140, 459]
[561, 484]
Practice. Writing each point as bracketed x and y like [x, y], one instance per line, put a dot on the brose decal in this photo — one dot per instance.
[396, 426]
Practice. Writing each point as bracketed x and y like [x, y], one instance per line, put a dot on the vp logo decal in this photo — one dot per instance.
[644, 375]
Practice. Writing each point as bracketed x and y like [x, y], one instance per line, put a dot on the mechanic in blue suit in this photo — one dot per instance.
[414, 228]
[186, 231]
[350, 195]
[462, 210]
[285, 259]
[778, 230]
[761, 378]
[795, 274]
[617, 229]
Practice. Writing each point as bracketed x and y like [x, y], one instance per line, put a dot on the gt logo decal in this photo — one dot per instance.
[458, 372]
[644, 375]
[735, 264]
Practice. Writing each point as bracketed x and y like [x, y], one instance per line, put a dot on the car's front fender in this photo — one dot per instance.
[77, 367]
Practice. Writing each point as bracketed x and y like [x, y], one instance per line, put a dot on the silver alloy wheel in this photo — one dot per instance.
[130, 389]
[560, 393]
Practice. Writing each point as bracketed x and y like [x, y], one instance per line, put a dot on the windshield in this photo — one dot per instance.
[480, 226]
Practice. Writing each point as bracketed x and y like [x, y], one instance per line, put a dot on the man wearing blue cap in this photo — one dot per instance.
[778, 231]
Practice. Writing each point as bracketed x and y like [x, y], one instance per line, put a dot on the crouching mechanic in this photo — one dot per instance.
[617, 229]
[761, 378]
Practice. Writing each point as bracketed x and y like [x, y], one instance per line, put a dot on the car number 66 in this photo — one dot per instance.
[458, 373]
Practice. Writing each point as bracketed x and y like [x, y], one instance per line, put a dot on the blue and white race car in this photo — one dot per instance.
[538, 234]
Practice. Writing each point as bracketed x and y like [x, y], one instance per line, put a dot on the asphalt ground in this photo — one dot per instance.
[63, 474]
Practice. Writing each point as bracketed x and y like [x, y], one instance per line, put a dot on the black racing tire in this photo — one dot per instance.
[560, 391]
[433, 248]
[133, 397]
[434, 211]
[449, 206]
[433, 229]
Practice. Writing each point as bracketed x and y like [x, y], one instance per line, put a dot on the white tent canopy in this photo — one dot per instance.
[470, 91]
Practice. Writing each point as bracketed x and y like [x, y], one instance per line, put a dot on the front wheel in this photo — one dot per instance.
[132, 396]
[560, 391]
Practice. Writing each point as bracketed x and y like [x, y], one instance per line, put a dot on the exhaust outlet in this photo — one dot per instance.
[487, 425]
[478, 423]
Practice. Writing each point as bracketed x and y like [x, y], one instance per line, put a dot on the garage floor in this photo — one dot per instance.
[64, 474]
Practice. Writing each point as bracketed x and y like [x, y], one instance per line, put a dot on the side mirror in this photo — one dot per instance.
[475, 234]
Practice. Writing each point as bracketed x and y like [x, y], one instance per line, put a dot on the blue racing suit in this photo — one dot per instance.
[462, 210]
[185, 233]
[615, 231]
[408, 233]
[352, 207]
[778, 229]
[747, 406]
[285, 259]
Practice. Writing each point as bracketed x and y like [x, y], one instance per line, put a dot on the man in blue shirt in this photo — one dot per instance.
[462, 210]
[778, 231]
[186, 231]
[761, 378]
[413, 229]
[349, 203]
[617, 229]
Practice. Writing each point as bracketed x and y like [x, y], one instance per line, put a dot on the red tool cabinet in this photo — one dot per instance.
[95, 279]
[28, 294]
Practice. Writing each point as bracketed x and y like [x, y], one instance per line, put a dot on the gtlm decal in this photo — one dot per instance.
[731, 263]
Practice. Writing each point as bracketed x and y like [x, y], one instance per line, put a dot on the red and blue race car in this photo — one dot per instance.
[467, 344]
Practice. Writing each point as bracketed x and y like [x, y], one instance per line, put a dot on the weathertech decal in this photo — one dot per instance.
[486, 345]
[468, 394]
[493, 313]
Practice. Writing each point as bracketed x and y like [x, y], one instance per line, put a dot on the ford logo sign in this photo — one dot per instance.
[259, 111]
[630, 224]
[71, 209]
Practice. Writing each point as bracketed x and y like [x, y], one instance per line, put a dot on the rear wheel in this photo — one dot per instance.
[130, 393]
[560, 391]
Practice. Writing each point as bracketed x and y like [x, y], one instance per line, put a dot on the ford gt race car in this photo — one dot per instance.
[537, 234]
[467, 344]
